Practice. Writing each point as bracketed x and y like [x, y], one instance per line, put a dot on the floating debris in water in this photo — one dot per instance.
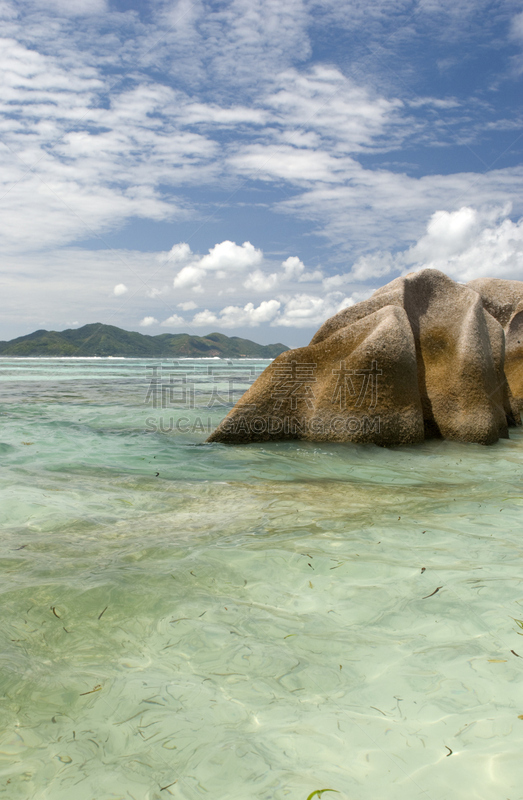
[432, 593]
[319, 792]
[97, 688]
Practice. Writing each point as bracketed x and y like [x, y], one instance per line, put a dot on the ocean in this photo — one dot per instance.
[261, 621]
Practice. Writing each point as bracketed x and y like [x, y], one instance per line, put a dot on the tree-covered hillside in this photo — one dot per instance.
[107, 340]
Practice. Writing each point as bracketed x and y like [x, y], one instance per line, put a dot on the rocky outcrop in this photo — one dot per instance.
[423, 357]
[504, 301]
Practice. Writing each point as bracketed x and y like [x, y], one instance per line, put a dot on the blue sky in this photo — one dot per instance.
[250, 166]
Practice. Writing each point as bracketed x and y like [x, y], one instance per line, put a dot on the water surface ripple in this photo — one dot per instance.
[196, 621]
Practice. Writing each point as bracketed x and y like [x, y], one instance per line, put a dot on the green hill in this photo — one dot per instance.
[107, 340]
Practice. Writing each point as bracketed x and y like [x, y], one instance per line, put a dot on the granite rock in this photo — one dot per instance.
[504, 301]
[423, 357]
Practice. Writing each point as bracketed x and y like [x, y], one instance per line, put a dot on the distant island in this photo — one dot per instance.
[107, 340]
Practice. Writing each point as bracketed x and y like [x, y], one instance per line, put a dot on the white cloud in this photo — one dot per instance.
[436, 102]
[178, 253]
[293, 164]
[327, 101]
[236, 317]
[293, 267]
[321, 119]
[259, 281]
[299, 311]
[516, 28]
[465, 244]
[222, 259]
[307, 311]
[146, 322]
[468, 244]
[74, 165]
[294, 270]
[311, 277]
[120, 289]
[79, 166]
[197, 113]
[189, 277]
[251, 42]
[25, 293]
[205, 318]
[377, 209]
[84, 155]
[174, 321]
[367, 267]
[155, 292]
[384, 20]
[448, 234]
[231, 257]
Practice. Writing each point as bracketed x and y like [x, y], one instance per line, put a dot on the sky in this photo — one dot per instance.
[251, 166]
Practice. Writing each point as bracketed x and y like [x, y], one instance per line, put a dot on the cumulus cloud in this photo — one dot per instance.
[306, 311]
[448, 234]
[146, 322]
[467, 243]
[259, 281]
[294, 270]
[205, 317]
[178, 253]
[379, 209]
[299, 311]
[223, 259]
[189, 305]
[236, 317]
[120, 289]
[231, 257]
[189, 277]
[174, 321]
[293, 267]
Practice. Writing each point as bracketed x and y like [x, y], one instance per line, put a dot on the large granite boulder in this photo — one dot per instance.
[421, 358]
[504, 301]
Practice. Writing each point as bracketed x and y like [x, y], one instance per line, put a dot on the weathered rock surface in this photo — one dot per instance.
[504, 301]
[423, 357]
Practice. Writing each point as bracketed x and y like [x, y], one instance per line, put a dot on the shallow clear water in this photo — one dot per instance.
[261, 621]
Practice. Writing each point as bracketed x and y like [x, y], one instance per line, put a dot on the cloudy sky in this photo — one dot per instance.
[251, 166]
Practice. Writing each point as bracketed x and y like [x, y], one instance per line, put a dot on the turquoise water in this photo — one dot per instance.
[201, 621]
